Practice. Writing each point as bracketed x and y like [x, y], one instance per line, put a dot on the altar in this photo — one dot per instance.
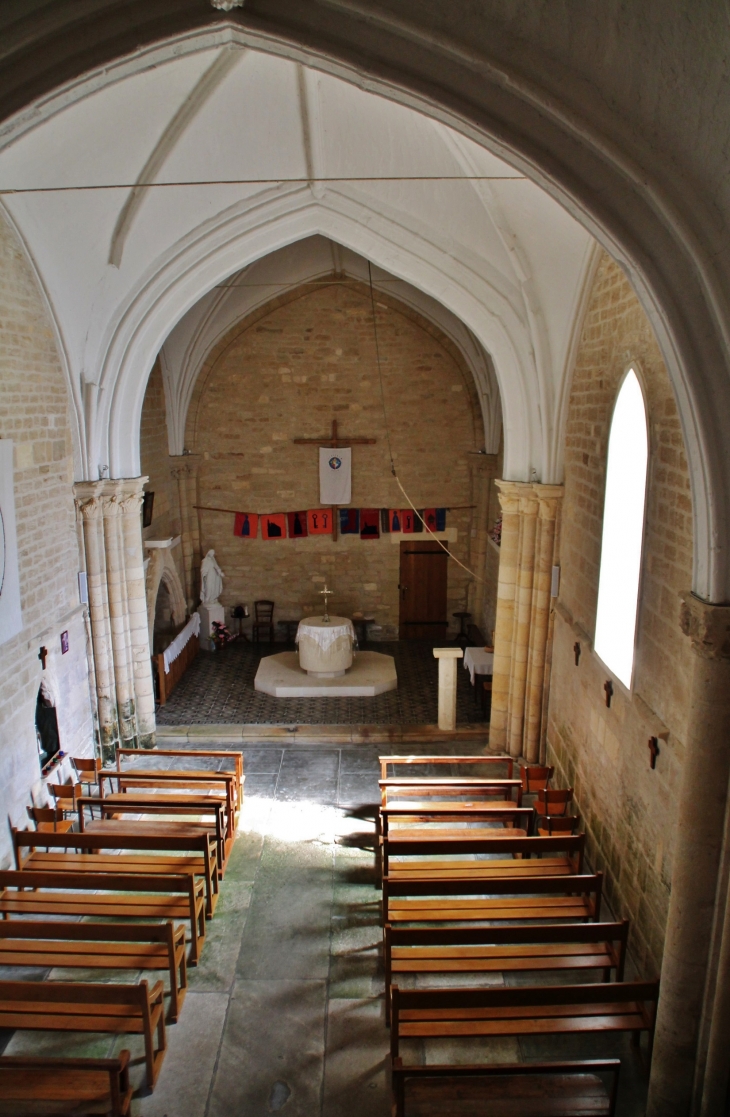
[326, 664]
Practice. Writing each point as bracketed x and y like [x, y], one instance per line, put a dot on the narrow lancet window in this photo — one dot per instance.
[623, 531]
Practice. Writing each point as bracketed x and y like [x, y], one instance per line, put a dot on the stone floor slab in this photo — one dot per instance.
[185, 1079]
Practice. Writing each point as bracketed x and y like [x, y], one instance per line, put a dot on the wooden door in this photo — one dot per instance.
[423, 578]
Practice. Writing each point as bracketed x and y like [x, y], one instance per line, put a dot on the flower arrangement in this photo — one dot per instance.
[496, 533]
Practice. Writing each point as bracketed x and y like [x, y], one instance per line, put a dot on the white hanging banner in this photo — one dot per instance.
[10, 616]
[335, 476]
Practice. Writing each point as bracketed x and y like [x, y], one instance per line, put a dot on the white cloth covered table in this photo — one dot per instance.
[172, 651]
[325, 647]
[478, 662]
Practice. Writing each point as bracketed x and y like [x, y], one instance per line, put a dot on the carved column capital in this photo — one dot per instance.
[510, 494]
[548, 497]
[708, 627]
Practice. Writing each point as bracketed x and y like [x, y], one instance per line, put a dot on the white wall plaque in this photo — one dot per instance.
[11, 620]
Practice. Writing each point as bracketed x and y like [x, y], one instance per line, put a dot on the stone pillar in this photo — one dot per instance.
[684, 1081]
[529, 518]
[447, 658]
[112, 532]
[483, 469]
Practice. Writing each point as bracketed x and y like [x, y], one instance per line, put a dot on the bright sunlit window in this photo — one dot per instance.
[623, 531]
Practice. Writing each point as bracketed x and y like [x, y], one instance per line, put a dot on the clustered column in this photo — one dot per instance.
[111, 522]
[529, 533]
[185, 475]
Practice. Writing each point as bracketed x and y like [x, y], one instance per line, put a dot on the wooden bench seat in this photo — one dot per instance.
[418, 819]
[528, 1010]
[410, 854]
[475, 951]
[176, 858]
[108, 946]
[460, 762]
[519, 899]
[571, 1089]
[31, 1085]
[120, 805]
[218, 755]
[119, 896]
[86, 1007]
[395, 789]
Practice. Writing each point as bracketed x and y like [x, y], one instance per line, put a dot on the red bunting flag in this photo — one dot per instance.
[407, 520]
[273, 526]
[319, 521]
[297, 524]
[370, 523]
[246, 525]
[429, 519]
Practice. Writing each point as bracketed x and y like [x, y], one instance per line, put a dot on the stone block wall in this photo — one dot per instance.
[629, 809]
[35, 414]
[287, 372]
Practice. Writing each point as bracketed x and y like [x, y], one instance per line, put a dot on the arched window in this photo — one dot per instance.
[623, 531]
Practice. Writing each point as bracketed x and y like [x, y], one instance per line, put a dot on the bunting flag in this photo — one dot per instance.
[418, 520]
[385, 521]
[335, 475]
[273, 526]
[395, 519]
[246, 525]
[440, 519]
[349, 521]
[369, 523]
[406, 519]
[319, 521]
[297, 524]
[429, 518]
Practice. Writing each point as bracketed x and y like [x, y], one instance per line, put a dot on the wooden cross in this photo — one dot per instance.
[654, 750]
[335, 442]
[608, 687]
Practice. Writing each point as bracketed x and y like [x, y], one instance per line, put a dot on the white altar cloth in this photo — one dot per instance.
[172, 651]
[325, 647]
[478, 662]
[324, 633]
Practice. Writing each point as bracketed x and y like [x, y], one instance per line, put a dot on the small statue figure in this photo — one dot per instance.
[211, 580]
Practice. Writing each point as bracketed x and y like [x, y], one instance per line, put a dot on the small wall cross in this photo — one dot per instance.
[654, 750]
[608, 687]
[43, 655]
[576, 652]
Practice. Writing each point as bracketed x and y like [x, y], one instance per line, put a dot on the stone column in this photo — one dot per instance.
[529, 518]
[181, 473]
[548, 498]
[447, 658]
[90, 507]
[112, 531]
[483, 469]
[509, 499]
[682, 1082]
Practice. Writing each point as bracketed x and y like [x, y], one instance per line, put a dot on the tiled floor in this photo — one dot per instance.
[285, 1010]
[218, 688]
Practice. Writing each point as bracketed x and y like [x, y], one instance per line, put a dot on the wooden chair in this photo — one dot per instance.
[535, 777]
[81, 1085]
[518, 899]
[107, 946]
[120, 896]
[87, 770]
[553, 802]
[263, 620]
[66, 796]
[520, 1089]
[85, 1007]
[547, 825]
[50, 819]
[473, 951]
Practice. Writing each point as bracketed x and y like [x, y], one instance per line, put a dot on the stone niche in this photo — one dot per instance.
[287, 372]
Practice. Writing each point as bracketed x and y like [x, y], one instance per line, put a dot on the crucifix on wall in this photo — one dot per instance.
[335, 471]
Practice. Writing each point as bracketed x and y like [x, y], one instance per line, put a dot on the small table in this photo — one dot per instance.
[290, 629]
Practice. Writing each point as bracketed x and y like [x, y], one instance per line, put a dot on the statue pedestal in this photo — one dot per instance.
[208, 614]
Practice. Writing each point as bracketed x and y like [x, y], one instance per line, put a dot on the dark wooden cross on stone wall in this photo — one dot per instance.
[335, 442]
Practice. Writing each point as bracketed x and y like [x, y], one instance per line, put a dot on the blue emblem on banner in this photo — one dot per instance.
[335, 463]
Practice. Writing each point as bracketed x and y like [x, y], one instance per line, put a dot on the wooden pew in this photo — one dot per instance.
[212, 754]
[85, 1007]
[528, 1010]
[513, 949]
[410, 858]
[395, 789]
[70, 1085]
[108, 946]
[420, 820]
[176, 858]
[460, 761]
[517, 1089]
[171, 806]
[518, 899]
[114, 896]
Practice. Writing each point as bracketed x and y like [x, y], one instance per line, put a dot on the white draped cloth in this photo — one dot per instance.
[325, 633]
[192, 628]
[478, 662]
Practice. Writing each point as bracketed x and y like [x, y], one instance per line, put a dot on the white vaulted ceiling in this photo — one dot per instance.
[140, 190]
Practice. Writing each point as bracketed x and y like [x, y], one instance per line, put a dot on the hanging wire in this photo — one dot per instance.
[390, 448]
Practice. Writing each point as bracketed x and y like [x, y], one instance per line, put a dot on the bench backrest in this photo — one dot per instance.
[489, 761]
[67, 992]
[99, 882]
[214, 754]
[588, 885]
[571, 844]
[204, 842]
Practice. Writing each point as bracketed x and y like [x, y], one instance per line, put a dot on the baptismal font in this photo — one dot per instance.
[326, 644]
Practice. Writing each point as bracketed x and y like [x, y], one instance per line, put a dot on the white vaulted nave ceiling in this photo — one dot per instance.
[137, 197]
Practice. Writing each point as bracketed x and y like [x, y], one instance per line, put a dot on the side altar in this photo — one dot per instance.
[326, 663]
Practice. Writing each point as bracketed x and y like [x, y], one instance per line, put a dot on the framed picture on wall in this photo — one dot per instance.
[11, 620]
